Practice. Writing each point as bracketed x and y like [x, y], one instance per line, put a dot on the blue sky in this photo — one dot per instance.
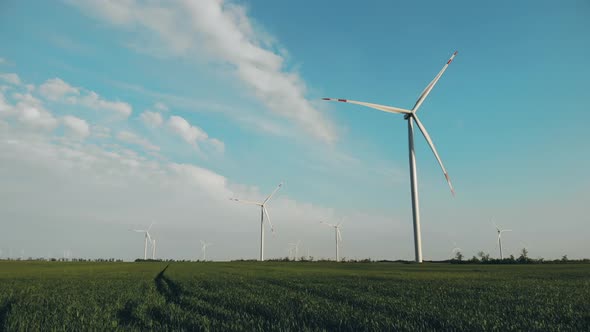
[238, 92]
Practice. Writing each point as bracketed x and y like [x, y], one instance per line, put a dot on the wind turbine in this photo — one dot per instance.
[296, 247]
[263, 211]
[500, 231]
[147, 238]
[337, 235]
[204, 246]
[412, 116]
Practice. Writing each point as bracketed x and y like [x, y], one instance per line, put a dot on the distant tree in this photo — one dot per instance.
[564, 258]
[524, 256]
[459, 256]
[483, 256]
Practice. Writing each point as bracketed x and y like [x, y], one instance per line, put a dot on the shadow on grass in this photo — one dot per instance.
[4, 311]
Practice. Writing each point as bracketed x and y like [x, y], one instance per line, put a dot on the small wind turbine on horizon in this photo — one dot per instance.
[412, 116]
[500, 231]
[295, 246]
[204, 246]
[337, 235]
[147, 238]
[263, 212]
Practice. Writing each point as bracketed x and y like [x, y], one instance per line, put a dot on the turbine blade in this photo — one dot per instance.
[431, 143]
[389, 109]
[245, 201]
[148, 236]
[431, 85]
[496, 225]
[339, 235]
[325, 223]
[268, 219]
[269, 196]
[506, 230]
[152, 224]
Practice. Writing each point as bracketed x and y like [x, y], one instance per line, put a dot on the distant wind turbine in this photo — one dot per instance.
[337, 235]
[147, 238]
[500, 231]
[412, 116]
[295, 246]
[204, 246]
[263, 211]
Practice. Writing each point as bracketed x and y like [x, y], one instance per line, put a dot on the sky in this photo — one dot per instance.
[117, 114]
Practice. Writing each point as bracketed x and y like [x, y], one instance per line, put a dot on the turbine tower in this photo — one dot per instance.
[338, 237]
[147, 238]
[500, 231]
[263, 212]
[204, 246]
[412, 116]
[295, 246]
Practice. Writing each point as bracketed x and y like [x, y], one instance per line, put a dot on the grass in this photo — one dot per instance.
[292, 296]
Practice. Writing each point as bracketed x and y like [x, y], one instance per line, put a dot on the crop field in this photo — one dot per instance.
[292, 296]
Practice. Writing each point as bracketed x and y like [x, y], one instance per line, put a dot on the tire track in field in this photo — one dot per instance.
[127, 316]
[184, 301]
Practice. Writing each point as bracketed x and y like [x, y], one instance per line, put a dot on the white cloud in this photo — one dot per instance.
[191, 134]
[101, 131]
[30, 112]
[37, 117]
[160, 107]
[226, 34]
[216, 184]
[152, 119]
[11, 78]
[129, 137]
[56, 89]
[4, 107]
[94, 101]
[76, 126]
[217, 144]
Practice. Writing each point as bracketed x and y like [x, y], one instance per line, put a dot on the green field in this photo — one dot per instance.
[292, 296]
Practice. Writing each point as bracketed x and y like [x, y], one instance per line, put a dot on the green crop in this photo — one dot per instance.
[248, 296]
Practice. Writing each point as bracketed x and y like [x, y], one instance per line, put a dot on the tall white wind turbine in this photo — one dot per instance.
[412, 116]
[263, 212]
[204, 246]
[147, 238]
[500, 231]
[338, 237]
